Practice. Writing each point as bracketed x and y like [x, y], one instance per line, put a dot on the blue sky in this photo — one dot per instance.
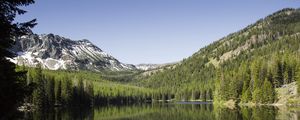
[149, 31]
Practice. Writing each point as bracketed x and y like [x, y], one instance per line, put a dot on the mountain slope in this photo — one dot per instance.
[229, 58]
[56, 52]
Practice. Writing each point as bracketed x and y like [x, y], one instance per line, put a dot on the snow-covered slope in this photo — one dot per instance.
[147, 66]
[152, 66]
[56, 52]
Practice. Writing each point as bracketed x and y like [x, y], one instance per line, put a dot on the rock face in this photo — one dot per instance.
[55, 52]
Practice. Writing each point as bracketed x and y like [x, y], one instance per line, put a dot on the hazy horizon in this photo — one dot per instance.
[153, 31]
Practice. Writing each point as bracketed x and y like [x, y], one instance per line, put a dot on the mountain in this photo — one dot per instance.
[147, 67]
[238, 65]
[55, 52]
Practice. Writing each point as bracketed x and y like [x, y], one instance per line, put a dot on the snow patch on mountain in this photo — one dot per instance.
[147, 66]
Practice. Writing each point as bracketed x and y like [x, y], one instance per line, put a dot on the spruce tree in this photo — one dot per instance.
[246, 93]
[255, 67]
[246, 96]
[257, 95]
[81, 93]
[58, 93]
[285, 67]
[68, 91]
[203, 95]
[12, 89]
[269, 93]
[90, 93]
[40, 96]
[278, 76]
[51, 91]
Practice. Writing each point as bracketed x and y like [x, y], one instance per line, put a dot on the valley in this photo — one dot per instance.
[253, 73]
[261, 57]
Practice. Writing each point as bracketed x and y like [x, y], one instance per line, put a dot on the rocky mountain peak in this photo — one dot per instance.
[56, 52]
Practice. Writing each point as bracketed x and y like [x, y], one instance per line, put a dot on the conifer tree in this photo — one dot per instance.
[246, 96]
[12, 89]
[255, 67]
[81, 92]
[268, 92]
[246, 93]
[203, 95]
[51, 91]
[278, 76]
[90, 93]
[68, 91]
[257, 95]
[39, 96]
[58, 93]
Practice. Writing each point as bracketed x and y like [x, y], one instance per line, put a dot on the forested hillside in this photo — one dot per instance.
[244, 66]
[77, 89]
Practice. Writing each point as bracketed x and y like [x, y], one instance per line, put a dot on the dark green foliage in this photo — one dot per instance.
[246, 96]
[82, 94]
[269, 94]
[50, 91]
[271, 65]
[59, 93]
[13, 88]
[45, 97]
[257, 95]
[260, 113]
[39, 94]
[90, 93]
[83, 89]
[67, 91]
[246, 90]
[278, 76]
[203, 95]
[185, 81]
[258, 89]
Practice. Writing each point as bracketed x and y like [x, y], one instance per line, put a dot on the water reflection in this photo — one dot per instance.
[175, 111]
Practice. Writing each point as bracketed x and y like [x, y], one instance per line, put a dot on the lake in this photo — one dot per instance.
[168, 111]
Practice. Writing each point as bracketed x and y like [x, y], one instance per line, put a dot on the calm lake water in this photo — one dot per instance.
[168, 111]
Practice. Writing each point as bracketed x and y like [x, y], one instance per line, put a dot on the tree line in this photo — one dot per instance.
[74, 89]
[51, 91]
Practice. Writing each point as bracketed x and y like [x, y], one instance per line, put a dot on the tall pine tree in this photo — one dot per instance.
[58, 93]
[269, 93]
[51, 91]
[40, 99]
[279, 73]
[12, 89]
